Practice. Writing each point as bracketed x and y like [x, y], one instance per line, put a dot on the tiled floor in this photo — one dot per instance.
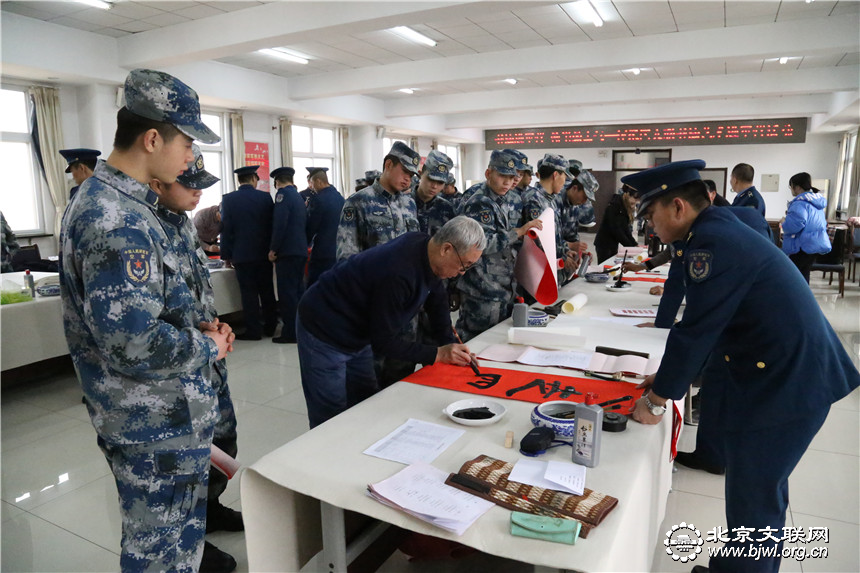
[59, 508]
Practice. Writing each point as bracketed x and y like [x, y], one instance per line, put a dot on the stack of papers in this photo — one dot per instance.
[420, 491]
[414, 441]
[576, 359]
[561, 476]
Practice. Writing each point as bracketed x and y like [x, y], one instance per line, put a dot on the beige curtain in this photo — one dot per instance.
[342, 151]
[46, 102]
[285, 131]
[853, 190]
[237, 140]
[413, 143]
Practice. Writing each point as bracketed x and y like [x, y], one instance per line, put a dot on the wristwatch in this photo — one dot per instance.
[654, 408]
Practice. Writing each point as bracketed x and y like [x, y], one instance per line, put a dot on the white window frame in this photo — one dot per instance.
[312, 155]
[455, 157]
[39, 184]
[222, 149]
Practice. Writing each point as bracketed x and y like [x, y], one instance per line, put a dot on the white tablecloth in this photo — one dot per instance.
[280, 491]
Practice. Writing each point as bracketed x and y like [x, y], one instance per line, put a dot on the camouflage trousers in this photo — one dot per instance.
[480, 314]
[225, 436]
[162, 497]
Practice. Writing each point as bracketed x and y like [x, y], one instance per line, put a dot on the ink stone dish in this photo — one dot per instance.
[596, 277]
[475, 412]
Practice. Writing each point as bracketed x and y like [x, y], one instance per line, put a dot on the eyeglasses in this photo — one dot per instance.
[463, 268]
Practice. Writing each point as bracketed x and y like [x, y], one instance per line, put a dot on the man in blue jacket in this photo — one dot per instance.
[246, 231]
[289, 249]
[324, 208]
[741, 182]
[784, 364]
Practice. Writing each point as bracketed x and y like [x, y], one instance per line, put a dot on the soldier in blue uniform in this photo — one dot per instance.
[741, 182]
[142, 356]
[784, 364]
[81, 162]
[433, 210]
[289, 249]
[487, 290]
[175, 201]
[309, 191]
[246, 231]
[324, 209]
[383, 211]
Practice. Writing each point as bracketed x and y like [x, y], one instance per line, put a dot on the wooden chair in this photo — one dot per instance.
[833, 262]
[854, 251]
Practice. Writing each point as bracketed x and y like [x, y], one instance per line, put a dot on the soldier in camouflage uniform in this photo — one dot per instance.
[487, 289]
[383, 211]
[552, 174]
[433, 209]
[10, 244]
[140, 352]
[450, 193]
[577, 209]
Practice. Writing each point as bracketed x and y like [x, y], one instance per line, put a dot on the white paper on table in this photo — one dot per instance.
[414, 441]
[620, 320]
[568, 475]
[536, 268]
[501, 352]
[568, 358]
[420, 490]
[562, 338]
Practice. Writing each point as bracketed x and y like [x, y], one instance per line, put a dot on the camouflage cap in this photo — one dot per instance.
[407, 156]
[161, 97]
[558, 162]
[451, 179]
[196, 176]
[504, 163]
[589, 183]
[372, 175]
[520, 158]
[438, 166]
[77, 155]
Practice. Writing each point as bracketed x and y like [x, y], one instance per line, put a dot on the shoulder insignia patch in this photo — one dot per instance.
[486, 216]
[349, 214]
[699, 265]
[136, 262]
[534, 212]
[279, 198]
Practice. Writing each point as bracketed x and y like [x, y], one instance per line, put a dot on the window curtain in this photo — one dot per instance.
[47, 137]
[285, 131]
[342, 159]
[853, 190]
[413, 143]
[237, 140]
[843, 195]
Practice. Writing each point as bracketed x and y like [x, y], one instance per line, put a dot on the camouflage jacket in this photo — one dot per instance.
[129, 316]
[373, 216]
[535, 201]
[433, 214]
[572, 216]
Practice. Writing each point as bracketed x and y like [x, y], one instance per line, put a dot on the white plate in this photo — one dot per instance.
[623, 288]
[497, 409]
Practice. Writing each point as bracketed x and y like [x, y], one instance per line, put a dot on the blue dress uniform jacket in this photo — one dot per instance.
[750, 197]
[805, 226]
[289, 218]
[246, 225]
[372, 217]
[324, 209]
[747, 303]
[433, 214]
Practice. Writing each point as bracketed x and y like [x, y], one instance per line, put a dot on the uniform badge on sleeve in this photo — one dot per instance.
[486, 216]
[699, 264]
[279, 198]
[534, 212]
[349, 214]
[136, 263]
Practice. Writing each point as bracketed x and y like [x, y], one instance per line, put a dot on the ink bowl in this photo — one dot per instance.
[549, 415]
[475, 412]
[596, 277]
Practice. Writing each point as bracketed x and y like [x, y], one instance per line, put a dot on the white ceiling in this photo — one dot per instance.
[698, 59]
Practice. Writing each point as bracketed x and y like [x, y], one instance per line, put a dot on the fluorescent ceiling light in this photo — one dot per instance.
[413, 36]
[511, 81]
[96, 4]
[284, 55]
[408, 91]
[588, 12]
[634, 71]
[783, 60]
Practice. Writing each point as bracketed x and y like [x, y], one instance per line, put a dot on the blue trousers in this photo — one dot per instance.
[290, 272]
[318, 266]
[709, 441]
[256, 290]
[758, 464]
[332, 379]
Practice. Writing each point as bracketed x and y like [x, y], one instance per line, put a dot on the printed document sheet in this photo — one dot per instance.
[414, 441]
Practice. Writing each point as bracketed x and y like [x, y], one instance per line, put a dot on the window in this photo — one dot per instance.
[215, 162]
[21, 192]
[312, 147]
[453, 151]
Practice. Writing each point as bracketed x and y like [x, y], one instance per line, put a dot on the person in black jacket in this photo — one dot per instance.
[617, 224]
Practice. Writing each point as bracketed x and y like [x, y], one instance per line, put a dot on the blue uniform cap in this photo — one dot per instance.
[196, 176]
[282, 171]
[438, 166]
[312, 170]
[77, 155]
[407, 156]
[503, 162]
[652, 183]
[161, 97]
[558, 162]
[247, 170]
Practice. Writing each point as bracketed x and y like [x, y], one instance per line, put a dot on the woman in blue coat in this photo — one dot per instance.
[805, 225]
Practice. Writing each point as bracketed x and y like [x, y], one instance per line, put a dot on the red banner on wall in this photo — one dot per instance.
[525, 386]
[258, 154]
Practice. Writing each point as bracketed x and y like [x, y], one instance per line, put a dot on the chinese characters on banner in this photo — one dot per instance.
[258, 154]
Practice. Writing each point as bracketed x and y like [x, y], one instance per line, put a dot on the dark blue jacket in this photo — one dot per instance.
[288, 224]
[369, 297]
[246, 225]
[748, 305]
[324, 209]
[750, 197]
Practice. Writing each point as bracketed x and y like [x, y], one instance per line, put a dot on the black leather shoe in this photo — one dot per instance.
[216, 561]
[690, 460]
[246, 336]
[700, 569]
[221, 518]
[284, 339]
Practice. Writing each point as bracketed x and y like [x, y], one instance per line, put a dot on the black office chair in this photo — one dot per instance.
[25, 256]
[833, 262]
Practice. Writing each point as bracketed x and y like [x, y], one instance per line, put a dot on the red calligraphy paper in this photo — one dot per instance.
[525, 386]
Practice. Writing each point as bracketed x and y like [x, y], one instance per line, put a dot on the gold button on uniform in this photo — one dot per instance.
[726, 357]
[760, 364]
[679, 252]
